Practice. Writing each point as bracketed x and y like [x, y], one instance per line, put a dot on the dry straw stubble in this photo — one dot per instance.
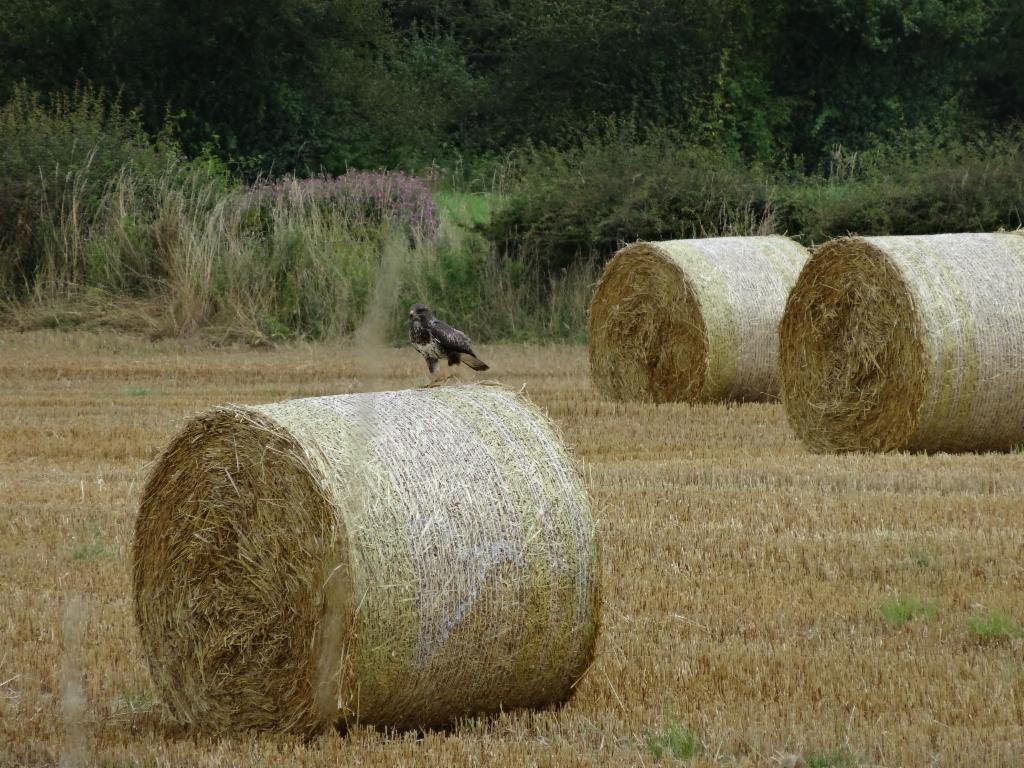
[398, 559]
[908, 343]
[692, 320]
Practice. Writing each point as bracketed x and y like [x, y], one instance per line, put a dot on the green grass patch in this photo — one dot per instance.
[836, 758]
[903, 609]
[467, 209]
[674, 741]
[136, 391]
[923, 560]
[994, 627]
[90, 551]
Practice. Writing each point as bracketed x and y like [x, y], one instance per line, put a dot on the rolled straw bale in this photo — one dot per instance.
[692, 320]
[398, 559]
[907, 343]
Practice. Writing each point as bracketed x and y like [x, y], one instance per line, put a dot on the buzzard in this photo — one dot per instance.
[436, 341]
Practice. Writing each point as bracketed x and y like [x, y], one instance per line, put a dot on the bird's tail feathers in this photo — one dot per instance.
[474, 362]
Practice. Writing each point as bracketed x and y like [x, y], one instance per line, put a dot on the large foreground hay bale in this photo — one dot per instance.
[908, 342]
[397, 558]
[692, 320]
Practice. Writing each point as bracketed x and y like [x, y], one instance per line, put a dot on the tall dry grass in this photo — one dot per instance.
[101, 224]
[206, 256]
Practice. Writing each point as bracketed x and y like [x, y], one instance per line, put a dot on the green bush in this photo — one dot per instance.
[994, 627]
[674, 741]
[515, 299]
[617, 185]
[904, 609]
[92, 208]
[922, 184]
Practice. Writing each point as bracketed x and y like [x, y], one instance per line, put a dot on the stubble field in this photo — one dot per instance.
[759, 601]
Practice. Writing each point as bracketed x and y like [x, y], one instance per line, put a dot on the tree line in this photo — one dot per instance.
[322, 85]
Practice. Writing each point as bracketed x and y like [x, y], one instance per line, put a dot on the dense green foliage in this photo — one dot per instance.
[57, 162]
[919, 184]
[615, 187]
[306, 85]
[272, 86]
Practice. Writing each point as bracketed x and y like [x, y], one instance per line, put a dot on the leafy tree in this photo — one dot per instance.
[854, 70]
[307, 85]
[275, 85]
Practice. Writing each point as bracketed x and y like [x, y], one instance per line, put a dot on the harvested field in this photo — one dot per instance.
[759, 600]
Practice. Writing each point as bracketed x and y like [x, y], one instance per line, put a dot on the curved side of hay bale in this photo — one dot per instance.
[399, 559]
[692, 320]
[908, 343]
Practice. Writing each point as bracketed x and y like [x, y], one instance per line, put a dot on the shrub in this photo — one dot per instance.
[617, 185]
[674, 741]
[903, 609]
[320, 257]
[495, 298]
[56, 163]
[919, 185]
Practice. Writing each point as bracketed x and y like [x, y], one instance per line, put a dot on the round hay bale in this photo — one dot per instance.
[907, 343]
[399, 559]
[692, 320]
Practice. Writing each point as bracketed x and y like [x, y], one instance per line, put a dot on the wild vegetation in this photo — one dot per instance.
[102, 224]
[302, 85]
[548, 133]
[759, 600]
[122, 231]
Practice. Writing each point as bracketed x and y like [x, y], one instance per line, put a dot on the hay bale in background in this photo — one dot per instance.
[908, 342]
[396, 558]
[692, 320]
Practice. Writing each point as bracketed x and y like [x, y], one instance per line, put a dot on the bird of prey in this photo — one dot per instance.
[438, 341]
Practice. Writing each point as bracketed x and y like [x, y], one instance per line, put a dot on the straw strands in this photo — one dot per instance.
[399, 559]
[908, 343]
[692, 320]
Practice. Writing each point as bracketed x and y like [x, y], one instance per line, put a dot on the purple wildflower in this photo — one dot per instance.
[362, 196]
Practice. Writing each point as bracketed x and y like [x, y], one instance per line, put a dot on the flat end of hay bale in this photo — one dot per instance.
[853, 366]
[910, 342]
[646, 336]
[230, 543]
